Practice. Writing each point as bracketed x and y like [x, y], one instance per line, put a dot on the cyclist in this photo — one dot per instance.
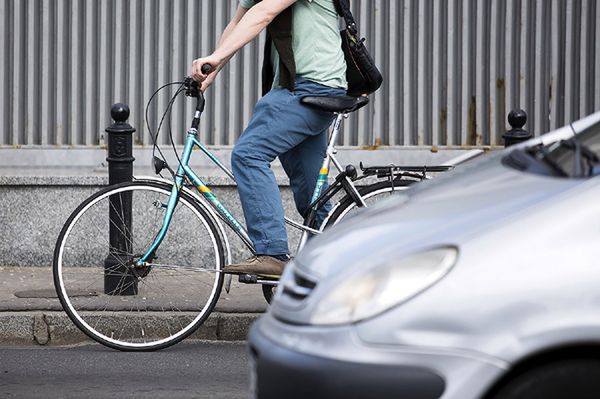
[303, 56]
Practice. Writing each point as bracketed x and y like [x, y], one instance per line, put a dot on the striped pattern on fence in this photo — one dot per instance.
[453, 68]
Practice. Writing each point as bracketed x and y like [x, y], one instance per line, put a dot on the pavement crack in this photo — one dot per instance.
[41, 330]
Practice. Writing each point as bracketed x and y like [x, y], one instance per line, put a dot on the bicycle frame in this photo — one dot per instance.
[184, 170]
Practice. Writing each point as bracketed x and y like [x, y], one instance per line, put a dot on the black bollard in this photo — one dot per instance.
[517, 118]
[118, 279]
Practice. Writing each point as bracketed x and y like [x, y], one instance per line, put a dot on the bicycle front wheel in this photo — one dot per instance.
[124, 306]
[371, 194]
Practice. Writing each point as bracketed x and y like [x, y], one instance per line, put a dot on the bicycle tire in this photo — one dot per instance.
[174, 295]
[345, 205]
[268, 292]
[370, 193]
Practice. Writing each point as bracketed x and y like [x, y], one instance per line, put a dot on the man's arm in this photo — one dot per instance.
[239, 13]
[237, 35]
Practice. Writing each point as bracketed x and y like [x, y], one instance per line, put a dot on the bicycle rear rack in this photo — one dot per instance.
[398, 170]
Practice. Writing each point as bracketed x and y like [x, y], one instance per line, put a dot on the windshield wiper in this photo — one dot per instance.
[586, 161]
[582, 152]
[541, 153]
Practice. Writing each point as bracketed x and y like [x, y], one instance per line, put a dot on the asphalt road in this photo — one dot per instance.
[187, 370]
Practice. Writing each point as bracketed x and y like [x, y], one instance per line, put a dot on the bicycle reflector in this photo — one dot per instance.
[159, 164]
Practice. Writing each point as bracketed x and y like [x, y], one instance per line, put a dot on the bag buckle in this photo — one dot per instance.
[352, 28]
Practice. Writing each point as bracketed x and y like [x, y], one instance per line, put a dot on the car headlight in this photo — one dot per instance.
[383, 286]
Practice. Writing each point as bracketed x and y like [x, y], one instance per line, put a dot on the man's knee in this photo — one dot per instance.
[248, 153]
[239, 155]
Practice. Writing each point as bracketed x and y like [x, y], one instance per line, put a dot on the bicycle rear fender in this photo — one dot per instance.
[210, 211]
[333, 208]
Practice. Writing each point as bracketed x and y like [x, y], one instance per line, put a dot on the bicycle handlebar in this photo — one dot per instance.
[206, 69]
[192, 89]
[192, 86]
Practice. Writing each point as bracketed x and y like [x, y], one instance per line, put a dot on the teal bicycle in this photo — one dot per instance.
[164, 277]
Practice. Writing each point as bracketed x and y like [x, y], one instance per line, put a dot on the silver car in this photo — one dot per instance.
[484, 282]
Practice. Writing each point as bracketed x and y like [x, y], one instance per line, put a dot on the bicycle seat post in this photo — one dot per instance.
[324, 172]
[334, 134]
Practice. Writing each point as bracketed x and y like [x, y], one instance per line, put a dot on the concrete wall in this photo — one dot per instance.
[35, 201]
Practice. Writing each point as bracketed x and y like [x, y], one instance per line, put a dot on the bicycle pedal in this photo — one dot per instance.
[248, 278]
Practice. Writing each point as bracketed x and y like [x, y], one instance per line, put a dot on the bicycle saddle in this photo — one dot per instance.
[340, 104]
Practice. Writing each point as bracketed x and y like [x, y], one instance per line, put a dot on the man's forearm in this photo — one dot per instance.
[251, 24]
[229, 29]
[245, 26]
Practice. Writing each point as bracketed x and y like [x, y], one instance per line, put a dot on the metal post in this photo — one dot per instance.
[517, 118]
[118, 279]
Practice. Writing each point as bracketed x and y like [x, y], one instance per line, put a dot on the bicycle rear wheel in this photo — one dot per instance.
[346, 207]
[268, 292]
[371, 194]
[131, 308]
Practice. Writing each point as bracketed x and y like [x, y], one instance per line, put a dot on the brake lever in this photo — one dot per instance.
[192, 88]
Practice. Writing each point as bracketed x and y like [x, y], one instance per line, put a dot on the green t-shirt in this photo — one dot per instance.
[316, 43]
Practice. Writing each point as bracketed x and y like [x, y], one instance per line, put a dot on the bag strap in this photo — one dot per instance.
[343, 9]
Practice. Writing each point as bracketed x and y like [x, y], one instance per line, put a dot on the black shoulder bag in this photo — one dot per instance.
[361, 72]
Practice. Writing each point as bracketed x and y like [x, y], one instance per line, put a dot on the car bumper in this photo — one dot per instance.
[303, 362]
[284, 373]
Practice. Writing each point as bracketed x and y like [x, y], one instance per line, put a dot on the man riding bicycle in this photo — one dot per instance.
[303, 56]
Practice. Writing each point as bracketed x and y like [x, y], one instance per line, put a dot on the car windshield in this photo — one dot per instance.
[578, 157]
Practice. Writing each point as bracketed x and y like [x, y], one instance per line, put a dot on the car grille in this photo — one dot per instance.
[299, 287]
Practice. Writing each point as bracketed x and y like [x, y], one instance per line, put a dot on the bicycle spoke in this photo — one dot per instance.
[98, 298]
[127, 230]
[186, 276]
[141, 324]
[189, 268]
[123, 224]
[105, 240]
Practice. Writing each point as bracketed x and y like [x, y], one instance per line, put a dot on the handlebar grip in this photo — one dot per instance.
[206, 69]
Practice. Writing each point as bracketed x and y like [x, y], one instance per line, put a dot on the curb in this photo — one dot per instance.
[55, 328]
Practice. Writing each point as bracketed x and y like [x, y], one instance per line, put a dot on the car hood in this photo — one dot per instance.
[445, 211]
[453, 209]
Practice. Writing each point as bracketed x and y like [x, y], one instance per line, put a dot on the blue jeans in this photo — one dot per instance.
[280, 127]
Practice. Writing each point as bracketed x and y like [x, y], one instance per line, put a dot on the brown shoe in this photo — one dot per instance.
[264, 266]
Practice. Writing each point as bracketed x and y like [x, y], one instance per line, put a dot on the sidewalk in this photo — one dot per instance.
[30, 312]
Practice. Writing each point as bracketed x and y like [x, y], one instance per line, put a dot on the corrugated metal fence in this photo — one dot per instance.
[453, 68]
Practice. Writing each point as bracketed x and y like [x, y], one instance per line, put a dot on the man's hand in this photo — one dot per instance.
[206, 79]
